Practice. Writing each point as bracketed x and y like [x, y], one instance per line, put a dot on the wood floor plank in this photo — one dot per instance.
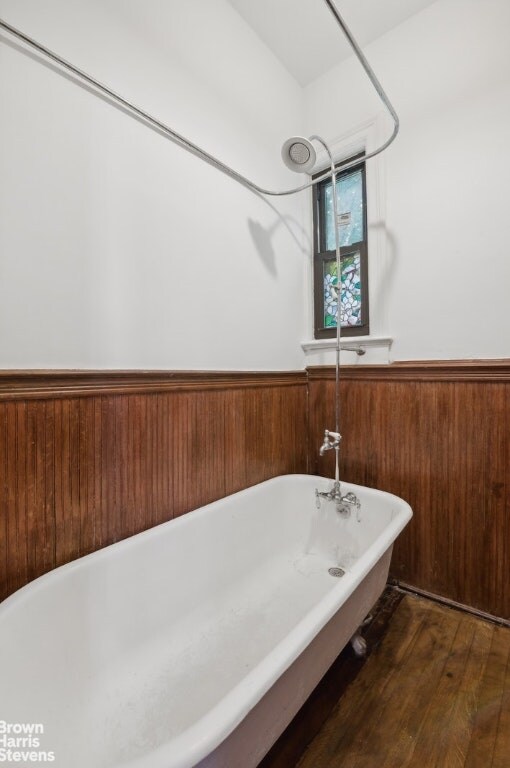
[291, 745]
[456, 733]
[501, 753]
[435, 694]
[439, 719]
[490, 699]
[416, 682]
[409, 741]
[348, 730]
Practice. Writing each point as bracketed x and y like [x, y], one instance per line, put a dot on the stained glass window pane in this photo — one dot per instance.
[350, 307]
[349, 190]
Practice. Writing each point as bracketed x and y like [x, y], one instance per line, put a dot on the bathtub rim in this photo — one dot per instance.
[208, 732]
[130, 541]
[196, 741]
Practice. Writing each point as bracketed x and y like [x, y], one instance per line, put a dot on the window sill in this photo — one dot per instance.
[355, 349]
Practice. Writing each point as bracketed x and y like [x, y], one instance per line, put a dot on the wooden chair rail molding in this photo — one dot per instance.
[25, 384]
[35, 384]
[419, 370]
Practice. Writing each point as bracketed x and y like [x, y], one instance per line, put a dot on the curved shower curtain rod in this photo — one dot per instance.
[194, 148]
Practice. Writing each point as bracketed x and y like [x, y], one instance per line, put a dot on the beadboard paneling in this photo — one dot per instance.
[87, 459]
[438, 435]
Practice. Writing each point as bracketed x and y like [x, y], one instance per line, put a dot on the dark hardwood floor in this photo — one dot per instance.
[434, 693]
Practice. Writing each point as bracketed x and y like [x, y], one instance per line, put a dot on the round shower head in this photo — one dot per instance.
[298, 154]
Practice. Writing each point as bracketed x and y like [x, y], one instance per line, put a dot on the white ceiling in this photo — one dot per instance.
[303, 34]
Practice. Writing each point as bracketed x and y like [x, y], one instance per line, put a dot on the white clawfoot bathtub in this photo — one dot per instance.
[195, 642]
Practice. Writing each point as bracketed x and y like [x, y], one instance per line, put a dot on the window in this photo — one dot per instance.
[352, 231]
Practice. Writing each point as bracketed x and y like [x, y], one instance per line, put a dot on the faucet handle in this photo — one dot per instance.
[326, 445]
[351, 498]
[331, 440]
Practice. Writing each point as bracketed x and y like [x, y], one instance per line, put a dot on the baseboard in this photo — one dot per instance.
[408, 588]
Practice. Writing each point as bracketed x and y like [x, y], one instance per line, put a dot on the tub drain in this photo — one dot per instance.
[337, 572]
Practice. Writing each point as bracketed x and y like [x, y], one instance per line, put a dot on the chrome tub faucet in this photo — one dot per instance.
[344, 503]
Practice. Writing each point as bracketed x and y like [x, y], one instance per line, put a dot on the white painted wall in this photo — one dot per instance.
[117, 248]
[442, 288]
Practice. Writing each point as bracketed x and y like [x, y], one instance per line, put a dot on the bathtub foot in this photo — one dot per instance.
[359, 645]
[358, 642]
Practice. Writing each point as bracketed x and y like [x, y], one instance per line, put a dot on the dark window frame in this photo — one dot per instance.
[321, 255]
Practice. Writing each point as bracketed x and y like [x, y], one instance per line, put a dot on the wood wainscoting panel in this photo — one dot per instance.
[438, 435]
[87, 459]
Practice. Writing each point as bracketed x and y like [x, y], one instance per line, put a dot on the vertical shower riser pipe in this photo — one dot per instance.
[338, 304]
